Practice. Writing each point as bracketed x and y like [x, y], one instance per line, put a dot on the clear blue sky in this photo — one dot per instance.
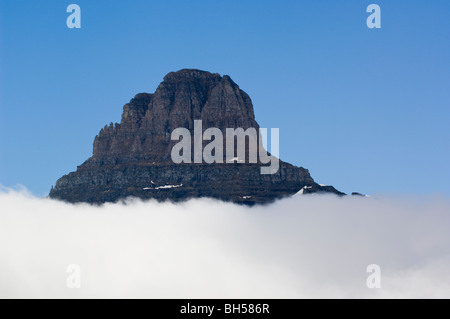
[364, 110]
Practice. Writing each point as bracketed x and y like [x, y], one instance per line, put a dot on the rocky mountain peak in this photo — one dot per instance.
[130, 157]
[183, 96]
[187, 75]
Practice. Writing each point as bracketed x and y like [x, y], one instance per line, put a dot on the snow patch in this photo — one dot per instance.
[302, 191]
[162, 187]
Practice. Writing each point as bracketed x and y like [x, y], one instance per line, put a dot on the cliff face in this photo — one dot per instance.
[133, 158]
[149, 119]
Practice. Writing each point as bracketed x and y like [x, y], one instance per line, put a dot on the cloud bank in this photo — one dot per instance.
[301, 247]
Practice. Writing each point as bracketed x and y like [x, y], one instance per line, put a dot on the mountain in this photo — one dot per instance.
[133, 158]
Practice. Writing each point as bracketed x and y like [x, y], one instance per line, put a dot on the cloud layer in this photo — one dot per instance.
[302, 247]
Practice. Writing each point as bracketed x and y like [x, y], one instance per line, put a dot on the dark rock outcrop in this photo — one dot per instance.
[133, 158]
[358, 194]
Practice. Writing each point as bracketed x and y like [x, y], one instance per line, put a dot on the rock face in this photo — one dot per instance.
[133, 158]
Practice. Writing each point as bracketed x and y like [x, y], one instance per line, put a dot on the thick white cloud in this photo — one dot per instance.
[306, 246]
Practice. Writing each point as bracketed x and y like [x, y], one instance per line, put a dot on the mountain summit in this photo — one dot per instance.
[133, 158]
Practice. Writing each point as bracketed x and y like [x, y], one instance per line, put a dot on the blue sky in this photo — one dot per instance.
[364, 110]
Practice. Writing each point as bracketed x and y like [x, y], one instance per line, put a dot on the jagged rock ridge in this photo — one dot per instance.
[133, 158]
